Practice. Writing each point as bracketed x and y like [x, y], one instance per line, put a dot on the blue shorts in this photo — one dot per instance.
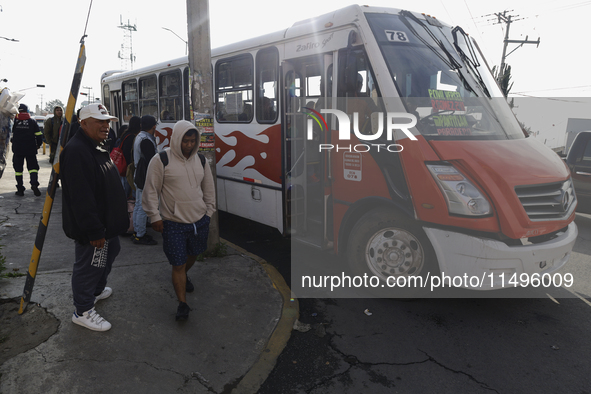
[184, 239]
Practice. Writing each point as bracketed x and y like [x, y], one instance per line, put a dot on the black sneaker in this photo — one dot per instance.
[145, 240]
[19, 193]
[182, 312]
[189, 286]
[36, 191]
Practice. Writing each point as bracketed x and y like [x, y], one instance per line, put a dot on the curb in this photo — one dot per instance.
[258, 373]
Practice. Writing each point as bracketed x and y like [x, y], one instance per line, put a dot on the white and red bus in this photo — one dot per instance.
[379, 134]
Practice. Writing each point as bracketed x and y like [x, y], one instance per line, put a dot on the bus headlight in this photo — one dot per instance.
[462, 197]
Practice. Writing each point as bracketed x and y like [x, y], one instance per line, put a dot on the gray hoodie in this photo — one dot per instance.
[185, 187]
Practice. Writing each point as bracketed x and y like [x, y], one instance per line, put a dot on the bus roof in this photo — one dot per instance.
[345, 16]
[107, 76]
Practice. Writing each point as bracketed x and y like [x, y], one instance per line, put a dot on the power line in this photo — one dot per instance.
[473, 21]
[549, 90]
[551, 98]
[564, 7]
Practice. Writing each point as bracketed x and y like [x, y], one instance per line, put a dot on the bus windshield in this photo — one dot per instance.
[442, 79]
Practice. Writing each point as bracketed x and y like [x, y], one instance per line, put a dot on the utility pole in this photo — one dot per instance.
[201, 90]
[508, 19]
[89, 94]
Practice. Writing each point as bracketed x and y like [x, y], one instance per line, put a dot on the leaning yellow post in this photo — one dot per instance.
[64, 131]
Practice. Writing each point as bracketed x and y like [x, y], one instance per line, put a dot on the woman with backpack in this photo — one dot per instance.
[125, 142]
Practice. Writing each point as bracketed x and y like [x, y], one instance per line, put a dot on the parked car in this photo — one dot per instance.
[579, 163]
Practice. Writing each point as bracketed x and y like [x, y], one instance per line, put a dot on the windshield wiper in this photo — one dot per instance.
[471, 61]
[451, 62]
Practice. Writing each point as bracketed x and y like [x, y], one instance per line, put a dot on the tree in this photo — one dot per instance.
[504, 80]
[505, 84]
[51, 104]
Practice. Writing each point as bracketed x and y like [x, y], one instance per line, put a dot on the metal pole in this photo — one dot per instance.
[201, 85]
[505, 43]
[50, 195]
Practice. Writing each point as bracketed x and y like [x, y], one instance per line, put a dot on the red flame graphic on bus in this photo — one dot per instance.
[267, 155]
[163, 137]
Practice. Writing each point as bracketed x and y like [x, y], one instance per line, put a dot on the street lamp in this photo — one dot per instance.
[186, 43]
[32, 87]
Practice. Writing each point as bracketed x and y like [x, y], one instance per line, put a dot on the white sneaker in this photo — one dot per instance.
[105, 294]
[91, 320]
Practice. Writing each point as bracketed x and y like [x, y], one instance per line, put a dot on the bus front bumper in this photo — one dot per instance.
[493, 262]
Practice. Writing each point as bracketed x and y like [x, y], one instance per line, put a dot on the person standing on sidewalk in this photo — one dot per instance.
[94, 213]
[51, 129]
[179, 181]
[126, 145]
[26, 139]
[144, 148]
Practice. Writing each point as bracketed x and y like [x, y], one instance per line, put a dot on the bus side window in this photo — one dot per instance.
[170, 97]
[130, 99]
[267, 71]
[148, 96]
[234, 89]
[107, 98]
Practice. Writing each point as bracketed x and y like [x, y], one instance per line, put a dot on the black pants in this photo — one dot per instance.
[18, 162]
[91, 269]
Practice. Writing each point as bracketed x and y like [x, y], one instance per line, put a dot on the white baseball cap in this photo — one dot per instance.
[97, 111]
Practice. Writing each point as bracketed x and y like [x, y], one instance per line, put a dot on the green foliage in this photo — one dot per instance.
[2, 262]
[51, 104]
[503, 78]
[219, 250]
[525, 128]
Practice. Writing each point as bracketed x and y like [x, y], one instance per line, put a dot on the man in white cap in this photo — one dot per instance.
[94, 213]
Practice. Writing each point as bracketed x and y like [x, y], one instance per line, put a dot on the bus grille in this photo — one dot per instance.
[552, 201]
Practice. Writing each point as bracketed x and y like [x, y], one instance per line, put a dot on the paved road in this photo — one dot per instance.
[432, 345]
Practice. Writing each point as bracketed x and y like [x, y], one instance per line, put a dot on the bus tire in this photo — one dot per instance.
[385, 244]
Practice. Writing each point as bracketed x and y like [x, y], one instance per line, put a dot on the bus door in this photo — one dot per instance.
[306, 181]
[115, 109]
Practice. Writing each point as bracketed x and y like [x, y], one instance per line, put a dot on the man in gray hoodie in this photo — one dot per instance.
[179, 199]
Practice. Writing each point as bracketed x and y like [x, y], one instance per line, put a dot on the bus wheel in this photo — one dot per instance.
[386, 245]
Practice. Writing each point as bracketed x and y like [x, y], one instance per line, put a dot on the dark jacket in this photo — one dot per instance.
[74, 127]
[26, 136]
[125, 142]
[51, 129]
[94, 203]
[146, 145]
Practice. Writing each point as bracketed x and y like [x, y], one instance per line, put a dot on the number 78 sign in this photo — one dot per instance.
[396, 36]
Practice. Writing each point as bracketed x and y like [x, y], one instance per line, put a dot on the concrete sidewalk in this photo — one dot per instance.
[241, 315]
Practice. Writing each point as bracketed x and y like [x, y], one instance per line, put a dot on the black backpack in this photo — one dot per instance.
[164, 158]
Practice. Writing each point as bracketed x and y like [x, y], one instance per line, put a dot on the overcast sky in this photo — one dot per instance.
[49, 32]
